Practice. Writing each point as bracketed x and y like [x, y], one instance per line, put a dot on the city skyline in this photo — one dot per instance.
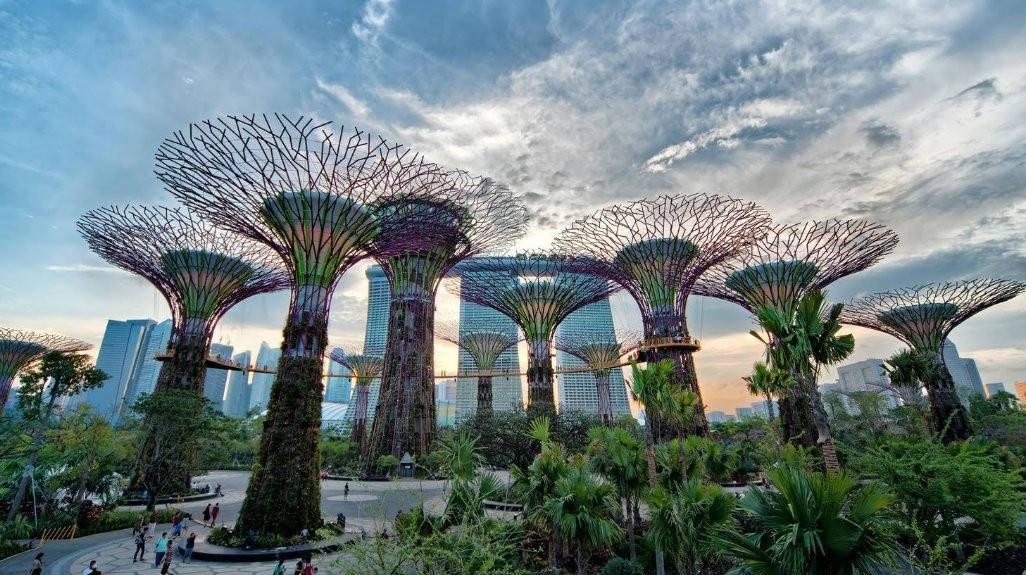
[909, 121]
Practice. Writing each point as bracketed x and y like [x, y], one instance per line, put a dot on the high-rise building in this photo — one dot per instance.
[994, 388]
[866, 375]
[120, 354]
[577, 390]
[145, 380]
[260, 390]
[506, 389]
[339, 384]
[761, 409]
[716, 416]
[743, 412]
[963, 371]
[1020, 392]
[445, 390]
[236, 399]
[376, 336]
[216, 379]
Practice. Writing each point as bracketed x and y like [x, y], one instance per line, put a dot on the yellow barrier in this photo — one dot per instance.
[65, 532]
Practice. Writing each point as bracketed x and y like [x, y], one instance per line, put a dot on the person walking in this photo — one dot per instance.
[166, 561]
[138, 524]
[190, 544]
[299, 568]
[140, 545]
[345, 492]
[308, 565]
[37, 565]
[213, 514]
[206, 515]
[153, 522]
[88, 570]
[160, 548]
[185, 523]
[279, 569]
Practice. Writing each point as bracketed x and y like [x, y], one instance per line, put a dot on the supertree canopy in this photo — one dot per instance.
[656, 250]
[537, 291]
[365, 368]
[601, 351]
[484, 347]
[464, 217]
[19, 349]
[306, 192]
[922, 317]
[777, 271]
[201, 271]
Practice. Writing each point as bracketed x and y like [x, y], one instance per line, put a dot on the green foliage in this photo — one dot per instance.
[580, 511]
[939, 487]
[621, 566]
[504, 435]
[812, 523]
[386, 463]
[58, 375]
[683, 519]
[115, 520]
[339, 454]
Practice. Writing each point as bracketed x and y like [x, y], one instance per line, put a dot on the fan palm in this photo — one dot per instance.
[580, 511]
[812, 523]
[620, 458]
[537, 483]
[469, 489]
[683, 518]
[907, 371]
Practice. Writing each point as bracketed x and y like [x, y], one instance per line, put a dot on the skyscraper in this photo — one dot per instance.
[963, 371]
[743, 412]
[376, 336]
[1020, 392]
[716, 416]
[260, 390]
[506, 389]
[119, 357]
[338, 389]
[236, 399]
[145, 379]
[577, 390]
[214, 383]
[994, 388]
[866, 375]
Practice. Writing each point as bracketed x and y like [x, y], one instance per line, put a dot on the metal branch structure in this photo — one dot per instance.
[601, 351]
[20, 349]
[777, 271]
[202, 272]
[537, 291]
[307, 193]
[484, 348]
[656, 250]
[923, 317]
[464, 217]
[365, 368]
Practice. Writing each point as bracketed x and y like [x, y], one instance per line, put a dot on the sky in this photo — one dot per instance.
[910, 114]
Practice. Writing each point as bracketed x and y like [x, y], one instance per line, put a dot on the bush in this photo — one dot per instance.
[115, 520]
[621, 566]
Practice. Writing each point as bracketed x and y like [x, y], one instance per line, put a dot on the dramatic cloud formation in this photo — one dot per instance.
[907, 113]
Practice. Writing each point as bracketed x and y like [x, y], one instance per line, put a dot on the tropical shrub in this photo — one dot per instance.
[621, 566]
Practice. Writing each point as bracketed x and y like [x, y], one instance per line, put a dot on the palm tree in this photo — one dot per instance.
[461, 458]
[537, 483]
[812, 523]
[770, 382]
[580, 511]
[682, 520]
[619, 457]
[907, 371]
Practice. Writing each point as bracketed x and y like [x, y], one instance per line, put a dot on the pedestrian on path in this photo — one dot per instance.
[190, 544]
[308, 565]
[279, 569]
[140, 545]
[166, 563]
[153, 522]
[160, 548]
[299, 568]
[345, 492]
[185, 523]
[138, 524]
[37, 565]
[206, 515]
[88, 570]
[213, 514]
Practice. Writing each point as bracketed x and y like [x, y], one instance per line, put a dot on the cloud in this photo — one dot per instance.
[879, 134]
[86, 268]
[343, 95]
[984, 90]
[376, 14]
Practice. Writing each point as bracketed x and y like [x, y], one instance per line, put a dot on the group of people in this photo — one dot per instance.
[304, 566]
[164, 547]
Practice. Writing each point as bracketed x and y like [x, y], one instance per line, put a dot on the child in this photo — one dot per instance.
[168, 557]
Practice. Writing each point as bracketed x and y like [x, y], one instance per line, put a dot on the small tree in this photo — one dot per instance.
[173, 422]
[580, 511]
[58, 375]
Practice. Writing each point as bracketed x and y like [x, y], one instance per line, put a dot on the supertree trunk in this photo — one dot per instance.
[187, 367]
[683, 372]
[405, 419]
[359, 432]
[605, 401]
[283, 495]
[484, 394]
[949, 416]
[539, 373]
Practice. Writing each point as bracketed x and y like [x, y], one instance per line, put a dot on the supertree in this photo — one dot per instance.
[484, 346]
[777, 271]
[656, 250]
[19, 349]
[537, 291]
[601, 352]
[202, 272]
[304, 191]
[365, 368]
[922, 317]
[464, 217]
